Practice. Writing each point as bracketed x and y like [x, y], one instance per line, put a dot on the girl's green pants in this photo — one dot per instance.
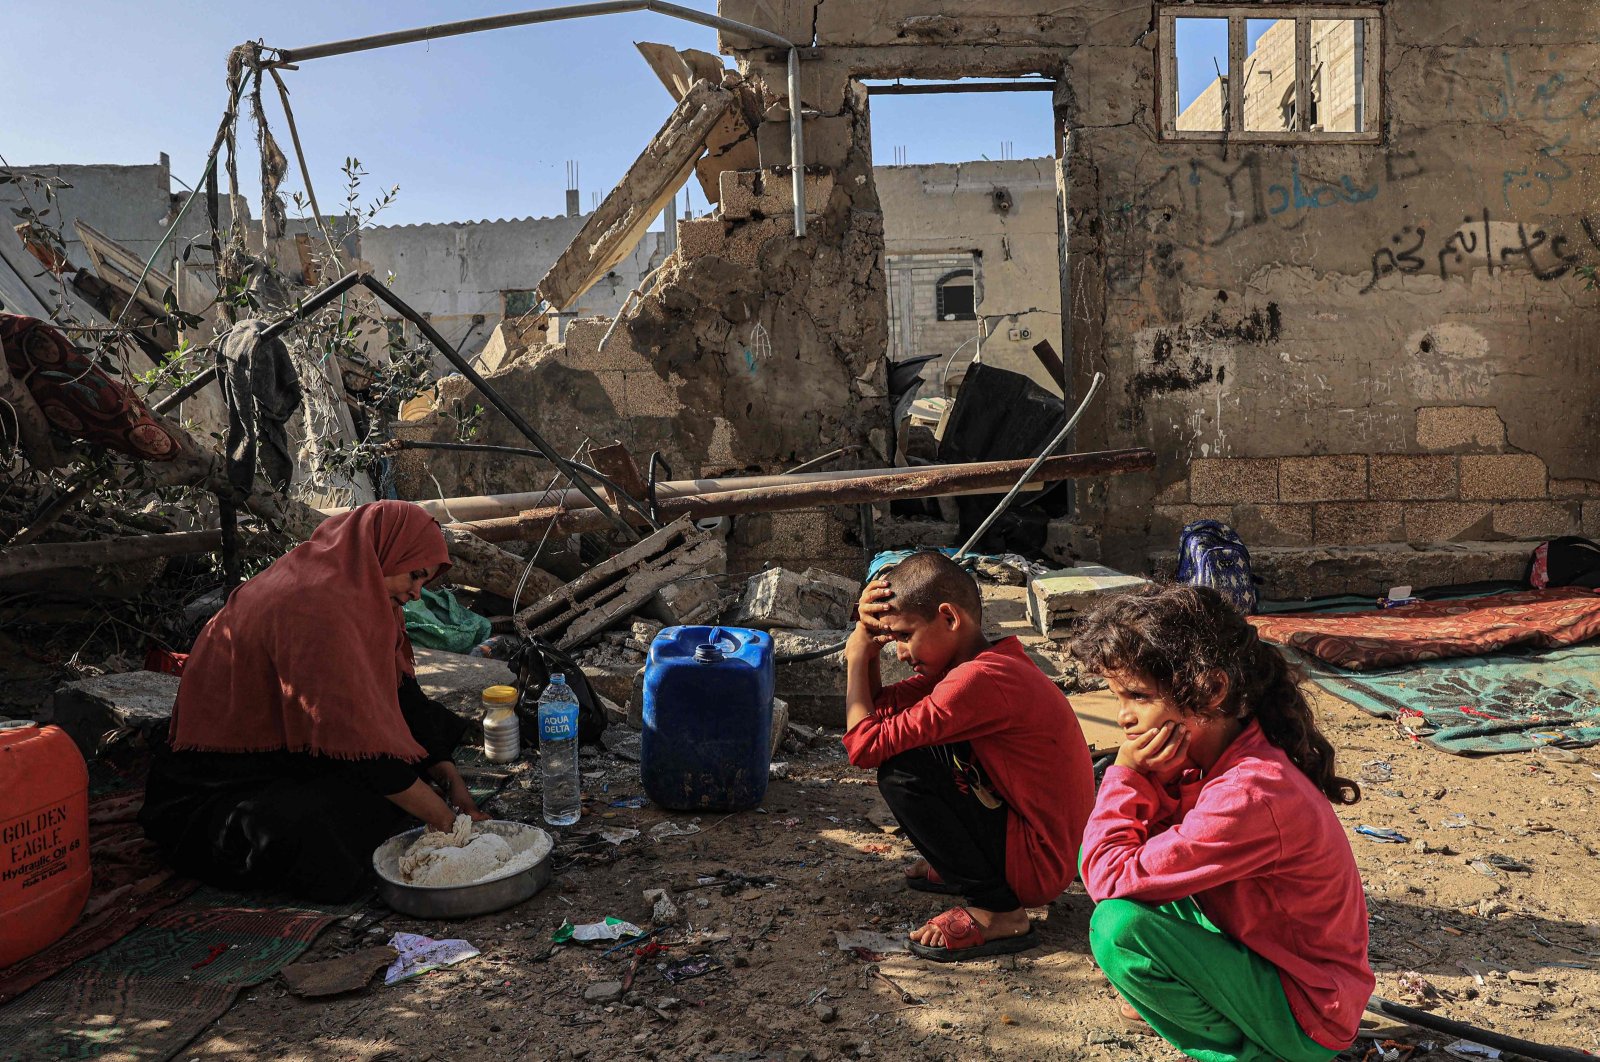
[1209, 996]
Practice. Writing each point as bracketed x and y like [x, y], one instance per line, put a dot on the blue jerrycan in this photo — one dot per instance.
[707, 741]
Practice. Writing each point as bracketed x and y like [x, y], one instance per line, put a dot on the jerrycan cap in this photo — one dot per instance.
[709, 652]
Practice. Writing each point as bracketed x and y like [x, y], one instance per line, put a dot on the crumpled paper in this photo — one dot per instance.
[419, 954]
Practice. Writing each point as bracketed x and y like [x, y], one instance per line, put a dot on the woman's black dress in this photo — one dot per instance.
[293, 822]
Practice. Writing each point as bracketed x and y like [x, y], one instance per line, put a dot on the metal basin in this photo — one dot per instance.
[464, 901]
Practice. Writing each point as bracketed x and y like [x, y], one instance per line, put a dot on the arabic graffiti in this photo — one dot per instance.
[1483, 242]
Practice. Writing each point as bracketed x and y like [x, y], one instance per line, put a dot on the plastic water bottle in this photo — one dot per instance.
[558, 752]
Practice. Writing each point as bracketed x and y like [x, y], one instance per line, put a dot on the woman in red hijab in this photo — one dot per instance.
[301, 740]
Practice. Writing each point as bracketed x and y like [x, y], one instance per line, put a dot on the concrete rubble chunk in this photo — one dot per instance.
[811, 600]
[457, 680]
[91, 710]
[1055, 597]
[696, 600]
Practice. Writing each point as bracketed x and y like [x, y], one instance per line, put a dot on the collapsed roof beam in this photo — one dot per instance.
[291, 56]
[897, 89]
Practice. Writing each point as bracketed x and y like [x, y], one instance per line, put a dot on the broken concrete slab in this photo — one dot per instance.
[696, 600]
[96, 711]
[1057, 597]
[622, 218]
[811, 600]
[457, 681]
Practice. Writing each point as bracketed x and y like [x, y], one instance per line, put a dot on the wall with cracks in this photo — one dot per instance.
[1327, 344]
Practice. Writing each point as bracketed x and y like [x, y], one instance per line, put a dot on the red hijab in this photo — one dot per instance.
[308, 655]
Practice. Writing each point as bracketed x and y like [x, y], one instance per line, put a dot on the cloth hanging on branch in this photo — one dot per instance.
[78, 398]
[262, 391]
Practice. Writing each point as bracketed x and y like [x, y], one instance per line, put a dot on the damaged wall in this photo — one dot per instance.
[456, 272]
[1005, 213]
[1321, 341]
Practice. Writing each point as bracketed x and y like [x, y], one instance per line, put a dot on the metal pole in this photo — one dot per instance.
[290, 56]
[797, 145]
[797, 153]
[1061, 437]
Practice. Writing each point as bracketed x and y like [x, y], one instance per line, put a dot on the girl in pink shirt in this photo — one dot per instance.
[1229, 913]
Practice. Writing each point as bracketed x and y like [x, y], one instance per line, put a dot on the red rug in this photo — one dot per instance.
[1439, 630]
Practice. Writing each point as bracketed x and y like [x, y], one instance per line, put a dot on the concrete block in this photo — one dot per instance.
[1273, 525]
[1168, 520]
[701, 237]
[1054, 597]
[747, 239]
[1591, 520]
[1503, 476]
[91, 710]
[1567, 489]
[1225, 480]
[1447, 521]
[1358, 523]
[1336, 477]
[812, 600]
[1536, 519]
[647, 394]
[1460, 428]
[746, 194]
[814, 689]
[1408, 477]
[827, 141]
[583, 351]
[1293, 573]
[689, 601]
[457, 681]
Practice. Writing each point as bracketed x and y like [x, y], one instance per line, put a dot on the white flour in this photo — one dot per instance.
[465, 856]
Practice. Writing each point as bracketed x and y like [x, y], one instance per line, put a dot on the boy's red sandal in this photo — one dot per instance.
[931, 882]
[964, 939]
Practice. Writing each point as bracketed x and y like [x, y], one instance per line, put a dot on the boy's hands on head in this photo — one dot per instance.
[868, 638]
[1160, 753]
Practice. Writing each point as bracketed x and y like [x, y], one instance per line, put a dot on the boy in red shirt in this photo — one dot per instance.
[979, 756]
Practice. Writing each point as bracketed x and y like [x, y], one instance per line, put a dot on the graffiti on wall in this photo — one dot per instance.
[1482, 242]
[1203, 204]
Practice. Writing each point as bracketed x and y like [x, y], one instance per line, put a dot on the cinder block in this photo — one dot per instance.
[746, 239]
[745, 194]
[1359, 523]
[1273, 525]
[582, 343]
[827, 140]
[1460, 428]
[646, 394]
[1407, 477]
[1574, 488]
[1503, 476]
[1591, 520]
[1226, 480]
[1536, 519]
[1168, 520]
[700, 237]
[1447, 521]
[1173, 494]
[1336, 477]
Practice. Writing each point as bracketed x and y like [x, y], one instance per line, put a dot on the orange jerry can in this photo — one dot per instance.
[44, 837]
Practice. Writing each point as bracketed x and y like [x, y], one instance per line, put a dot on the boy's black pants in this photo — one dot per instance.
[962, 840]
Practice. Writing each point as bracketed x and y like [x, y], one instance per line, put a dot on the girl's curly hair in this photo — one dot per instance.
[1177, 637]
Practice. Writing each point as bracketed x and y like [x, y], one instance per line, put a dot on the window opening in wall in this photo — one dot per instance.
[1271, 97]
[1270, 72]
[517, 303]
[956, 297]
[1202, 81]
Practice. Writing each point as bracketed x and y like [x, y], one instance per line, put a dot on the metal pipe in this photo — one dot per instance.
[909, 483]
[290, 56]
[1421, 1019]
[797, 153]
[1061, 437]
[797, 145]
[496, 506]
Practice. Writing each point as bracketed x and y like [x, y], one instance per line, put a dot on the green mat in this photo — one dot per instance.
[146, 996]
[1478, 705]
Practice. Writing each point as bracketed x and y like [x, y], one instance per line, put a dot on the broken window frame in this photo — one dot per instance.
[511, 297]
[1371, 66]
[971, 278]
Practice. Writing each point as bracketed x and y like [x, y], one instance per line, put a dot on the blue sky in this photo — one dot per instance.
[477, 126]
